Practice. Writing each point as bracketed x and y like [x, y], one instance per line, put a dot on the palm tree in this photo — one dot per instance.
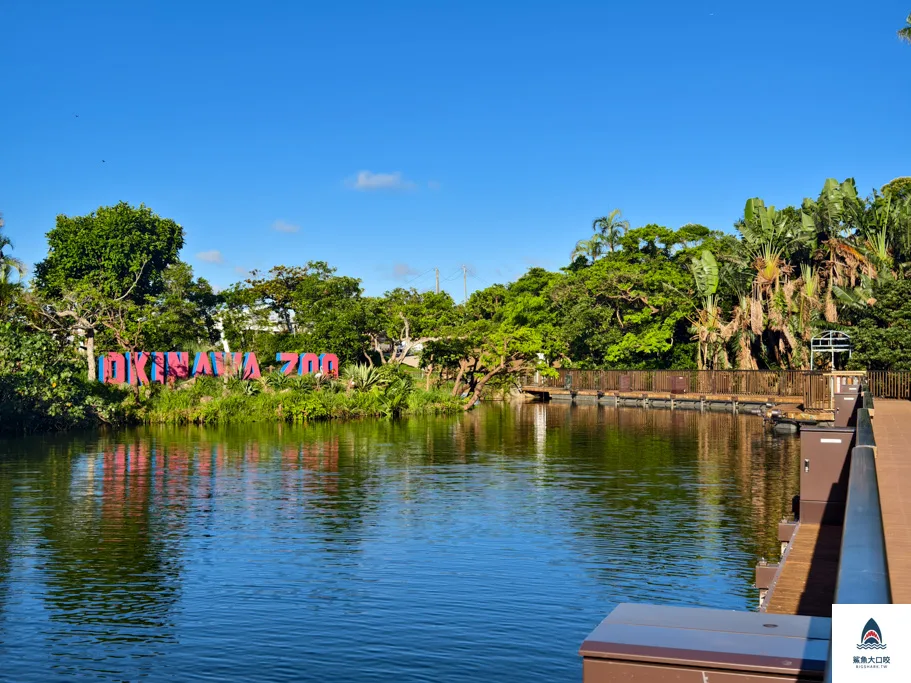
[590, 249]
[905, 33]
[11, 271]
[611, 228]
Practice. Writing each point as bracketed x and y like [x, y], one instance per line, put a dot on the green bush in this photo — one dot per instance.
[260, 402]
[43, 386]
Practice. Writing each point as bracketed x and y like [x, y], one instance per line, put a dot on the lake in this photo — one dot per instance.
[480, 547]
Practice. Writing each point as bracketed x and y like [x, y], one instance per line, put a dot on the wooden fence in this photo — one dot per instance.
[811, 387]
[889, 384]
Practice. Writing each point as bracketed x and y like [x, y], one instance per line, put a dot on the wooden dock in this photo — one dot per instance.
[892, 431]
[806, 582]
[665, 396]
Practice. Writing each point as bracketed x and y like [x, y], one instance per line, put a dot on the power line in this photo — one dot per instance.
[458, 271]
[414, 279]
[480, 279]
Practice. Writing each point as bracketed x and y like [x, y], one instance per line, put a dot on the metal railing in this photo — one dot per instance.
[863, 571]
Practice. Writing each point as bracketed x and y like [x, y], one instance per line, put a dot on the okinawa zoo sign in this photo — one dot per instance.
[143, 367]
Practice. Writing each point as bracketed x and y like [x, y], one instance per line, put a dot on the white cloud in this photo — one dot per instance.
[367, 180]
[285, 226]
[213, 256]
[402, 270]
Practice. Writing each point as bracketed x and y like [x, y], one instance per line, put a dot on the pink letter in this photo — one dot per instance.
[136, 367]
[178, 365]
[159, 367]
[328, 364]
[251, 366]
[290, 360]
[202, 366]
[309, 364]
[115, 370]
[229, 363]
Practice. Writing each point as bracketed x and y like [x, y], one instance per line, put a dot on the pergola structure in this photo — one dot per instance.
[831, 342]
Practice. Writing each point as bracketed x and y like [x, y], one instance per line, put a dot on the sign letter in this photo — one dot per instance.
[328, 364]
[159, 366]
[309, 364]
[202, 365]
[290, 360]
[115, 368]
[251, 366]
[178, 365]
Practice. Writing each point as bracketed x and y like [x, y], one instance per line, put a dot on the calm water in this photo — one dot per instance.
[482, 547]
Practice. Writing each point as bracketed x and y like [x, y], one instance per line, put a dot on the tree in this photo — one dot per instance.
[41, 384]
[319, 310]
[405, 318]
[611, 228]
[882, 334]
[183, 316]
[102, 266]
[11, 272]
[629, 309]
[608, 231]
[905, 33]
[587, 250]
[478, 351]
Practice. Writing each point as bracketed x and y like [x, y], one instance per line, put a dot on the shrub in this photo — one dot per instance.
[43, 386]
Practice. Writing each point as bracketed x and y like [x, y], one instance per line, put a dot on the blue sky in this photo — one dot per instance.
[392, 138]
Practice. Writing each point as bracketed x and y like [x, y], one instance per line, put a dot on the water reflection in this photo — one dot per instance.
[416, 550]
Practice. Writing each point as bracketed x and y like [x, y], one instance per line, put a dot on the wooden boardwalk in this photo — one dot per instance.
[806, 583]
[892, 431]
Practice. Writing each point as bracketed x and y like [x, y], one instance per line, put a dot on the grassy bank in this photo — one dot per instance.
[43, 388]
[209, 400]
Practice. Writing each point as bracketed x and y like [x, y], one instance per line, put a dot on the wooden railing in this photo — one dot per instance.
[727, 382]
[812, 387]
[883, 384]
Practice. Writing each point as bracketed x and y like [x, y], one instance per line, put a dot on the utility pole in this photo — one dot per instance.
[465, 281]
[438, 279]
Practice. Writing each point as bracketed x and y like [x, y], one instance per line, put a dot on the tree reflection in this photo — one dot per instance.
[110, 564]
[644, 503]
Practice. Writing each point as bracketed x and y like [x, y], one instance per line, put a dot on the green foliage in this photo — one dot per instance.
[629, 309]
[705, 272]
[215, 402]
[319, 311]
[904, 33]
[114, 249]
[362, 376]
[11, 271]
[43, 387]
[183, 315]
[882, 335]
[643, 297]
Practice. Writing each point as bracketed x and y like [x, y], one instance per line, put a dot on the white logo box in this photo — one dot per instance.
[871, 643]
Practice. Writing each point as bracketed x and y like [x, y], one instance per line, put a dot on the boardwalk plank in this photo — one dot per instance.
[806, 585]
[893, 471]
